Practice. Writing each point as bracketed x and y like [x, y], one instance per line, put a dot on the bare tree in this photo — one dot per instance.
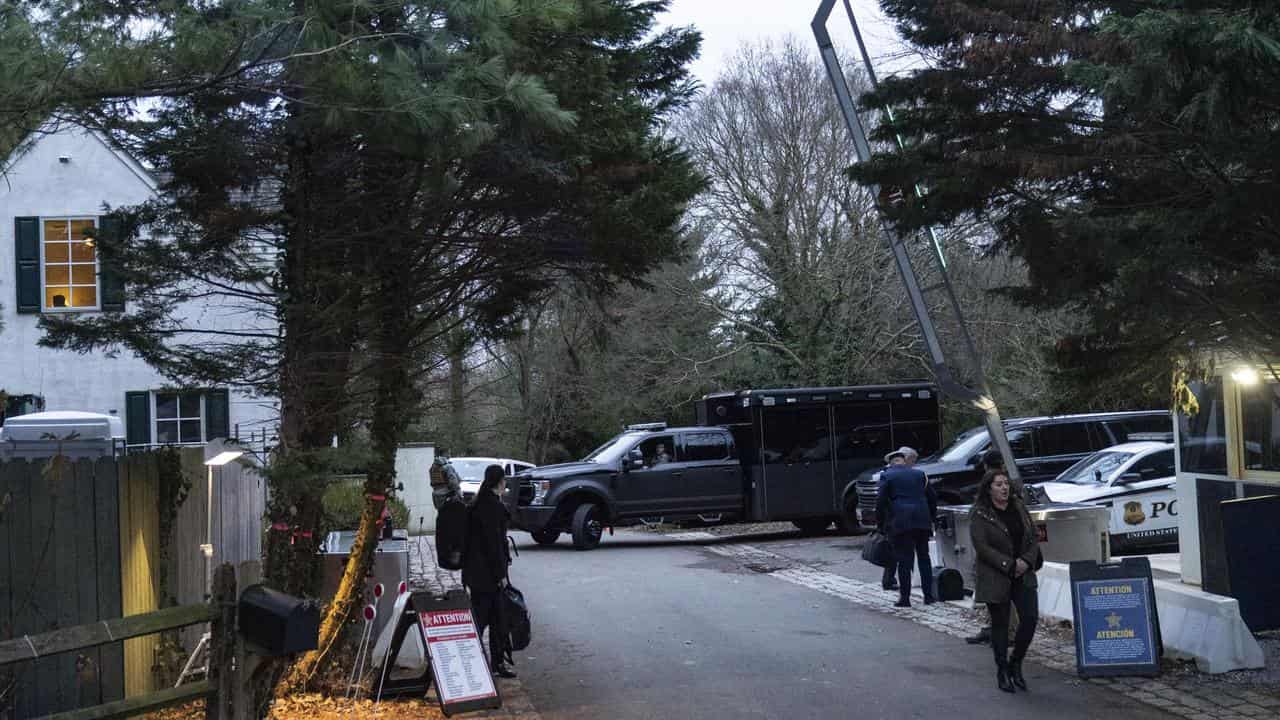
[806, 274]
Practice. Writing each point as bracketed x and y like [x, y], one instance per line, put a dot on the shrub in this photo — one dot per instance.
[344, 501]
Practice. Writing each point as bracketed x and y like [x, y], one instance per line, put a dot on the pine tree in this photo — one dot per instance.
[378, 173]
[1125, 150]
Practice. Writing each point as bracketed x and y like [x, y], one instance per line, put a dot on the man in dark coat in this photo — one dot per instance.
[889, 578]
[906, 506]
[485, 570]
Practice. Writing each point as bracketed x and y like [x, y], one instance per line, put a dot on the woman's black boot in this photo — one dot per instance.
[1002, 678]
[1015, 673]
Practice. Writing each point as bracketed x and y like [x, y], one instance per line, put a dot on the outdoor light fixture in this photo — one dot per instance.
[1245, 375]
[217, 452]
[222, 456]
[90, 238]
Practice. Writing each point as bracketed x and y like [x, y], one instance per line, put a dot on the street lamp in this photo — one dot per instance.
[217, 454]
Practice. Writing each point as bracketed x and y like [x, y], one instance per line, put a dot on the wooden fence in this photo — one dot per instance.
[237, 536]
[220, 612]
[60, 566]
[83, 545]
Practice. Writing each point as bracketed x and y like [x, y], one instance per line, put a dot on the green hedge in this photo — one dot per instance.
[344, 501]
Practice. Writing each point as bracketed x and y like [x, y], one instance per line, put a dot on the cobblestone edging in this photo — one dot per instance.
[1180, 698]
[425, 574]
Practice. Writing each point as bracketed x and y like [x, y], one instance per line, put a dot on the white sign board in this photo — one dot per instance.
[461, 673]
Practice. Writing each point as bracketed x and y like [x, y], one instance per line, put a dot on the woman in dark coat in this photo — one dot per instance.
[1004, 539]
[485, 570]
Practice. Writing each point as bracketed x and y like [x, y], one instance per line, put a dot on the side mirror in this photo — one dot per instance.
[1130, 477]
[975, 459]
[633, 459]
[400, 487]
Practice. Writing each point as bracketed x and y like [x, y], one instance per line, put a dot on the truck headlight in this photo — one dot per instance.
[540, 490]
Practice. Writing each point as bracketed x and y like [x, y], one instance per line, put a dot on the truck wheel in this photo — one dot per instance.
[847, 522]
[587, 526]
[812, 526]
[546, 537]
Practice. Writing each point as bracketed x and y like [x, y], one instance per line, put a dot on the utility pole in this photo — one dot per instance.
[980, 398]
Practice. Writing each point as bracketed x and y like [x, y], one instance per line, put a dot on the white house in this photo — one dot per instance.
[52, 193]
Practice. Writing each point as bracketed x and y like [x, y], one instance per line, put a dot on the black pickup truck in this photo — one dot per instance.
[755, 455]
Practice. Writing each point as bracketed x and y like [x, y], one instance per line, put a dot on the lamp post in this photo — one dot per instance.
[221, 456]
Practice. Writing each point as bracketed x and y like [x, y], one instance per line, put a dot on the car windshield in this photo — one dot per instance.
[613, 449]
[1096, 469]
[470, 470]
[966, 445]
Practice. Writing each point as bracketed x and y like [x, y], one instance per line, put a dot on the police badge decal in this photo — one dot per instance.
[1133, 513]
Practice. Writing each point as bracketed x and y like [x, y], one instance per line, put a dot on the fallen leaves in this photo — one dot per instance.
[314, 706]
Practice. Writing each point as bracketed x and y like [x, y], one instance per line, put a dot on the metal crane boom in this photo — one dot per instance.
[980, 398]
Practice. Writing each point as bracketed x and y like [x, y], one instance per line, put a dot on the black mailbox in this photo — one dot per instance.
[277, 623]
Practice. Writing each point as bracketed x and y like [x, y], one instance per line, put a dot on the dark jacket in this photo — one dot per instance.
[906, 501]
[993, 545]
[487, 554]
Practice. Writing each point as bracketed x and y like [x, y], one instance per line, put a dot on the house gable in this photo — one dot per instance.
[68, 170]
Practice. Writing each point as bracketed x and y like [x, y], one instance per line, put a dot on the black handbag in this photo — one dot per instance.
[516, 615]
[878, 550]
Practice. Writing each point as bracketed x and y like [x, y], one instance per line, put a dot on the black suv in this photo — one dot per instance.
[1042, 446]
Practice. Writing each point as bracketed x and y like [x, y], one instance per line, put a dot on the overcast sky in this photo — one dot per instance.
[726, 24]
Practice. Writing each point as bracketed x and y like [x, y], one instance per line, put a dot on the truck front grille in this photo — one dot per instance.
[867, 495]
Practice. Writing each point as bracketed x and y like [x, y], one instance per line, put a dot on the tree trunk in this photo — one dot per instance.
[395, 398]
[318, 322]
[458, 343]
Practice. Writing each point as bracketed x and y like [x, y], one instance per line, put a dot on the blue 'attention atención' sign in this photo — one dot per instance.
[1117, 629]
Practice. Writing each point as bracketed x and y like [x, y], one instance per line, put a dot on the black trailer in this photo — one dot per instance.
[802, 449]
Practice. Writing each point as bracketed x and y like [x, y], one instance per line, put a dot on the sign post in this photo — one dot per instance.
[1117, 627]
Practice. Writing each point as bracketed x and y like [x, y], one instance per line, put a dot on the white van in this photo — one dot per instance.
[1136, 481]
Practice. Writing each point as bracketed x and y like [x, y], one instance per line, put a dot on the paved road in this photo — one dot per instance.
[645, 627]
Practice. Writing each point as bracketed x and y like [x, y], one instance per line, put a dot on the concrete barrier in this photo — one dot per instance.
[1194, 624]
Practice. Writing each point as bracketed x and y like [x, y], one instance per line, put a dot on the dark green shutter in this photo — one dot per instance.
[137, 418]
[110, 282]
[217, 415]
[26, 233]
